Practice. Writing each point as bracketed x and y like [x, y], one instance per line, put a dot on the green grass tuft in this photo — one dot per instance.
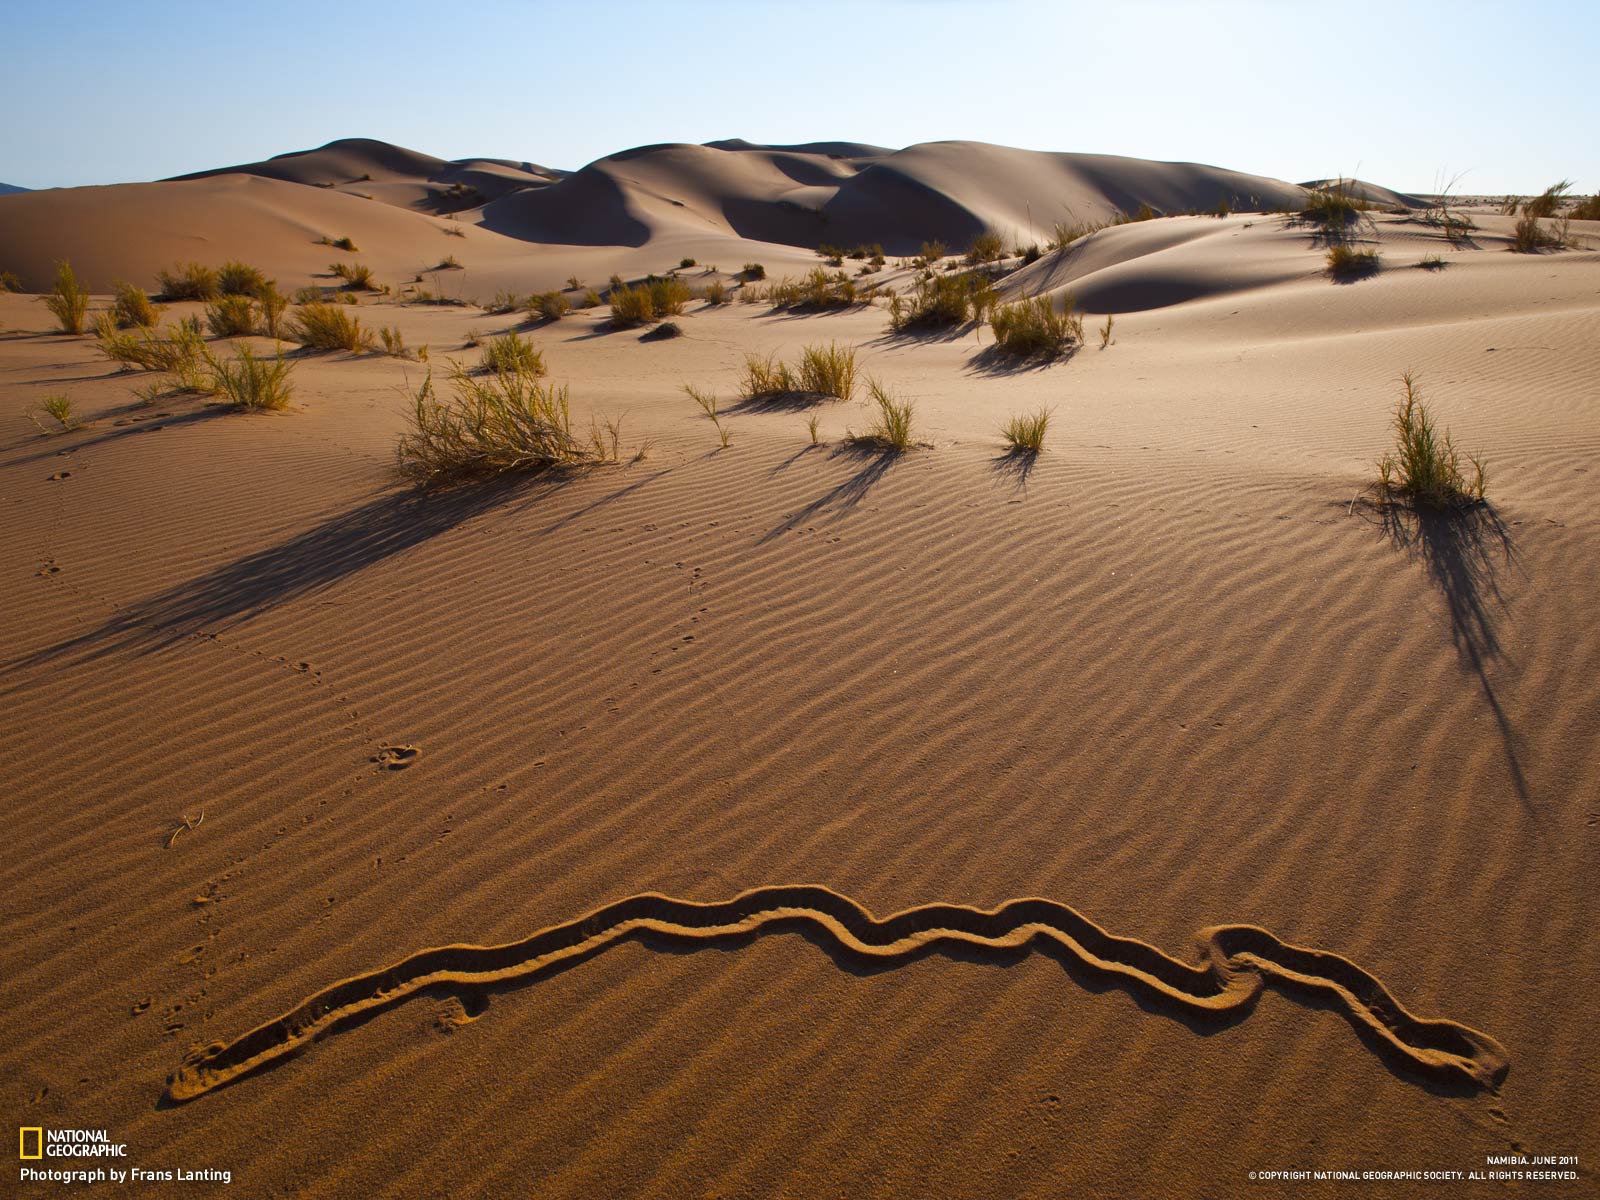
[320, 327]
[1347, 263]
[1024, 433]
[1031, 327]
[511, 352]
[189, 281]
[890, 430]
[251, 382]
[231, 316]
[828, 370]
[132, 308]
[1424, 465]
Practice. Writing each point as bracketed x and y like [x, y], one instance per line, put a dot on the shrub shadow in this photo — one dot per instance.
[871, 463]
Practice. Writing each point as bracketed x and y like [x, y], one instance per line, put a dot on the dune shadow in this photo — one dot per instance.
[871, 465]
[305, 565]
[1464, 552]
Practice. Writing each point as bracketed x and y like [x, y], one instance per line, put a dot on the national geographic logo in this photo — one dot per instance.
[36, 1142]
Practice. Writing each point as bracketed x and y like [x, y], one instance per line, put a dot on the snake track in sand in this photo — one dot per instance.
[1236, 963]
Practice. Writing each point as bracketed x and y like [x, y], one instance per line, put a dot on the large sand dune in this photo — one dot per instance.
[1181, 672]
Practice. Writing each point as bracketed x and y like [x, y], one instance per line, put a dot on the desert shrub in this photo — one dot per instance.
[752, 272]
[1105, 331]
[321, 326]
[1332, 206]
[132, 308]
[1346, 262]
[549, 306]
[1032, 327]
[668, 296]
[10, 281]
[765, 377]
[58, 408]
[393, 343]
[985, 248]
[1424, 465]
[449, 263]
[250, 382]
[308, 295]
[1530, 237]
[933, 251]
[591, 299]
[1584, 210]
[1143, 213]
[716, 292]
[818, 291]
[891, 428]
[178, 354]
[631, 306]
[665, 331]
[1067, 232]
[357, 276]
[1432, 262]
[1030, 254]
[828, 370]
[189, 281]
[505, 302]
[68, 300]
[345, 243]
[238, 279]
[272, 304]
[1024, 432]
[507, 421]
[231, 316]
[942, 300]
[511, 352]
[574, 284]
[686, 263]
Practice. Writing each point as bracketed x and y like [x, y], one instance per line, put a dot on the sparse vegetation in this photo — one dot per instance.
[890, 430]
[752, 271]
[343, 243]
[591, 299]
[1531, 237]
[1332, 206]
[1424, 465]
[189, 281]
[1346, 263]
[272, 304]
[394, 345]
[179, 354]
[941, 301]
[1584, 210]
[686, 263]
[1105, 331]
[1024, 432]
[323, 327]
[1031, 327]
[1548, 202]
[715, 293]
[68, 300]
[765, 378]
[811, 427]
[987, 247]
[132, 308]
[650, 301]
[1432, 262]
[708, 405]
[504, 302]
[504, 422]
[818, 291]
[231, 316]
[10, 281]
[59, 408]
[828, 370]
[513, 353]
[549, 306]
[239, 279]
[357, 276]
[250, 382]
[449, 263]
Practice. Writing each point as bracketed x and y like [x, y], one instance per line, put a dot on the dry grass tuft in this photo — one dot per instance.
[828, 370]
[319, 326]
[231, 316]
[512, 353]
[1031, 327]
[189, 281]
[132, 308]
[250, 382]
[891, 427]
[1347, 263]
[68, 300]
[1024, 433]
[505, 422]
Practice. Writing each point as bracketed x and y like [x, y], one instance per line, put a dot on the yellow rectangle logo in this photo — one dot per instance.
[38, 1141]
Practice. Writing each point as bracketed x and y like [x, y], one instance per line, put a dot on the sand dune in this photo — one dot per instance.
[1178, 670]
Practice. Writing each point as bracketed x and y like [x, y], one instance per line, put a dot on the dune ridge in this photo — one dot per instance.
[1237, 963]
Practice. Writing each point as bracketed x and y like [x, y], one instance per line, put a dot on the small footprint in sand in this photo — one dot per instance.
[140, 1006]
[59, 476]
[49, 568]
[397, 758]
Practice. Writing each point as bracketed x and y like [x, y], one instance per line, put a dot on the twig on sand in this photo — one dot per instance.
[188, 823]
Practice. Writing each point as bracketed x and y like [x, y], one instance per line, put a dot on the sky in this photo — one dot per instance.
[1403, 93]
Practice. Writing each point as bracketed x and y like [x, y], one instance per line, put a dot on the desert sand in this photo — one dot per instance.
[1305, 784]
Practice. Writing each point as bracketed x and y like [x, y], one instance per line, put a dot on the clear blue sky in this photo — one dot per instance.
[98, 92]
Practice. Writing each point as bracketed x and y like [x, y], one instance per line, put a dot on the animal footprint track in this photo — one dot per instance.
[49, 568]
[59, 476]
[397, 758]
